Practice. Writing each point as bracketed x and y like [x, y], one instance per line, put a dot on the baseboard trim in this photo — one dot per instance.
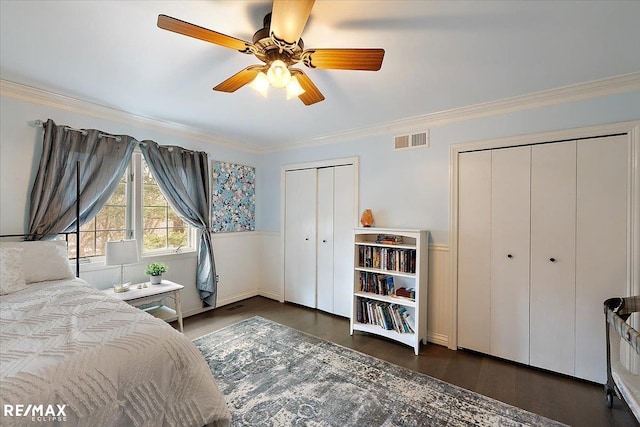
[439, 339]
[195, 311]
[236, 298]
[435, 338]
[271, 295]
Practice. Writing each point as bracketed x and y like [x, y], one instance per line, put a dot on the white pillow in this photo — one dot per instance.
[11, 270]
[43, 260]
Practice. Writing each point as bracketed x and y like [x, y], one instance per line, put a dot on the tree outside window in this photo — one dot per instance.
[109, 224]
[162, 227]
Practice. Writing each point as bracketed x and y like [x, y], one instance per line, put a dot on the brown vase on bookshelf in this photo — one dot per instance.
[367, 218]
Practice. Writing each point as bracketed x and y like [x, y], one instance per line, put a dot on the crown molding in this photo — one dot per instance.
[593, 89]
[51, 99]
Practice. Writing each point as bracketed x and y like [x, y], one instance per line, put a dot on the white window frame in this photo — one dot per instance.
[134, 219]
[137, 209]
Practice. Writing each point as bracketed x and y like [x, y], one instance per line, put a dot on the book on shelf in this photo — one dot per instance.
[381, 284]
[390, 286]
[376, 258]
[391, 259]
[389, 239]
[406, 293]
[392, 317]
[407, 319]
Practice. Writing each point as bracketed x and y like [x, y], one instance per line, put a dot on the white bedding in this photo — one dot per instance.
[110, 364]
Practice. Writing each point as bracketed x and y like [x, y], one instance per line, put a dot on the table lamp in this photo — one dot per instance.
[121, 252]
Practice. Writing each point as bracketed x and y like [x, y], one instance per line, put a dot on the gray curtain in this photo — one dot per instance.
[103, 160]
[183, 178]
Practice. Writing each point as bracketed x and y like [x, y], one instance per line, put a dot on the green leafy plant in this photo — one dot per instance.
[156, 269]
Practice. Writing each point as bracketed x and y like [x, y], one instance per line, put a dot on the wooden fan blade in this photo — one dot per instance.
[311, 93]
[177, 26]
[239, 79]
[288, 19]
[344, 59]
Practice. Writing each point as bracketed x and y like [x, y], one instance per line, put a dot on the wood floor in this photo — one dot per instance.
[573, 402]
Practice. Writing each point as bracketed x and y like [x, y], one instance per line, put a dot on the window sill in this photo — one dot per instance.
[183, 254]
[98, 264]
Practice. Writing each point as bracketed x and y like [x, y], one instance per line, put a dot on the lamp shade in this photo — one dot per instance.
[293, 88]
[278, 74]
[120, 252]
[260, 84]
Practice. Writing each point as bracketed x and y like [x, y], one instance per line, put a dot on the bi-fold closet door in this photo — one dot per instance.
[553, 257]
[542, 241]
[300, 236]
[320, 212]
[509, 249]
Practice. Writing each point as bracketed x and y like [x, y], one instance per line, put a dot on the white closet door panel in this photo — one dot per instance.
[603, 168]
[553, 224]
[474, 250]
[510, 245]
[345, 213]
[325, 239]
[300, 237]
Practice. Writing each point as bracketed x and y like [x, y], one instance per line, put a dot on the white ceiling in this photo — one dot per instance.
[440, 55]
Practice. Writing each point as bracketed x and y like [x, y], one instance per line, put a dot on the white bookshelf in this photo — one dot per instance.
[377, 309]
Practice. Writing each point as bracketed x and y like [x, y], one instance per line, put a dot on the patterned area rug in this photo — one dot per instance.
[273, 375]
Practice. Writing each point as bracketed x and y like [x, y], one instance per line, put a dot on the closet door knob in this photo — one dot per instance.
[509, 256]
[324, 241]
[552, 259]
[306, 238]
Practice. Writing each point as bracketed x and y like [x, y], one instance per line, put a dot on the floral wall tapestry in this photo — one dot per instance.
[233, 197]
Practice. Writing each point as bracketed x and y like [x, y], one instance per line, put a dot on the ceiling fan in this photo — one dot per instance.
[279, 46]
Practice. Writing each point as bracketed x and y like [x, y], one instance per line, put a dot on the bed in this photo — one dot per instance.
[623, 353]
[69, 350]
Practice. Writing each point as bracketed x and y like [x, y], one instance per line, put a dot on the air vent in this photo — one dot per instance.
[235, 307]
[402, 142]
[416, 140]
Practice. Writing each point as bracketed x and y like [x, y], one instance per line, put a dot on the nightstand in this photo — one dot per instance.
[154, 293]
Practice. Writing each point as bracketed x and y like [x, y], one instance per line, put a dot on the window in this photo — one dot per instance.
[162, 227]
[137, 204]
[111, 223]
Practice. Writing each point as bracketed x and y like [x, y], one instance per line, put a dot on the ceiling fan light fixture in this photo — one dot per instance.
[278, 46]
[293, 88]
[278, 74]
[260, 84]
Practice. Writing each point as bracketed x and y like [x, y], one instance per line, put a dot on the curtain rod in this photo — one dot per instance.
[40, 123]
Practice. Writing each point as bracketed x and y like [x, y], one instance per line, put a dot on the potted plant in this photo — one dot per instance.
[155, 270]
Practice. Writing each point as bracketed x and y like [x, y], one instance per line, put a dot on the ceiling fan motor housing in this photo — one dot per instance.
[267, 50]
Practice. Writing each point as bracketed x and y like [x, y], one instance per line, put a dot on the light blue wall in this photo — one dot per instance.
[411, 188]
[21, 146]
[403, 188]
[20, 150]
